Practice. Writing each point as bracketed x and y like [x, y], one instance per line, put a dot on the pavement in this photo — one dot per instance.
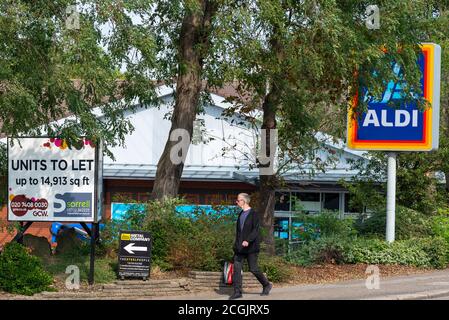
[432, 285]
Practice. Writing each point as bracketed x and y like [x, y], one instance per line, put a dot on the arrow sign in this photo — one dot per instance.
[130, 248]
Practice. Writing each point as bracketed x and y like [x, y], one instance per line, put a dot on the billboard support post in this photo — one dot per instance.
[391, 197]
[86, 228]
[19, 236]
[93, 241]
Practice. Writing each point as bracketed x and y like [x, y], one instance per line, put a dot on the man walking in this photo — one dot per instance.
[247, 246]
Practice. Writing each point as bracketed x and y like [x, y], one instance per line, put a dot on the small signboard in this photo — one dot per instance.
[134, 254]
[407, 128]
[48, 180]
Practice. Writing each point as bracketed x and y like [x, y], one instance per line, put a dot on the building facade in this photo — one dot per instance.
[219, 165]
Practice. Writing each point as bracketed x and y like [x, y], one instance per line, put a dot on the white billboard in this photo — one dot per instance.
[50, 181]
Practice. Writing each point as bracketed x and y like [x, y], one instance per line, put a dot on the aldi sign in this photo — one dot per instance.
[383, 127]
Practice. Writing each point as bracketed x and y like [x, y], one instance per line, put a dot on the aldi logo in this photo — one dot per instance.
[383, 127]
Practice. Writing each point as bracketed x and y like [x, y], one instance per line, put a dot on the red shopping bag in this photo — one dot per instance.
[228, 272]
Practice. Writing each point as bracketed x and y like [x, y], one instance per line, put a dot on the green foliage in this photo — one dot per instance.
[163, 224]
[105, 268]
[409, 223]
[276, 268]
[420, 252]
[440, 224]
[199, 241]
[329, 249]
[416, 187]
[281, 246]
[51, 68]
[21, 272]
[365, 190]
[327, 223]
[133, 219]
[202, 242]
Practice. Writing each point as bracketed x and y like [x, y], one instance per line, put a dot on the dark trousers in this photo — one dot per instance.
[253, 268]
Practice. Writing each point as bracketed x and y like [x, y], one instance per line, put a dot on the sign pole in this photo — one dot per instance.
[391, 196]
[93, 239]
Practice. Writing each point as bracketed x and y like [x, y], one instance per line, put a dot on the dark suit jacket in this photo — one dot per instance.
[249, 233]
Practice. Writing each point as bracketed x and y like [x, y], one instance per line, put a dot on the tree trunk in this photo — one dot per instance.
[193, 45]
[268, 183]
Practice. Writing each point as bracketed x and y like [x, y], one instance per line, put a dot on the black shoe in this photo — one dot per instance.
[236, 295]
[266, 290]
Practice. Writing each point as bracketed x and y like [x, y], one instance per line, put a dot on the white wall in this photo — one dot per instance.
[146, 143]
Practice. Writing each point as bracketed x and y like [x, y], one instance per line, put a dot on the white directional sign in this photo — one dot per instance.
[131, 248]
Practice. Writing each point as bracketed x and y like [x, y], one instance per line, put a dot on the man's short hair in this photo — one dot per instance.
[245, 197]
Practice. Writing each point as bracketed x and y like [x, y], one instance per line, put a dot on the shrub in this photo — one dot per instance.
[21, 272]
[420, 252]
[133, 219]
[281, 246]
[409, 224]
[199, 240]
[331, 249]
[440, 224]
[437, 251]
[375, 251]
[327, 223]
[414, 252]
[181, 240]
[205, 244]
[276, 268]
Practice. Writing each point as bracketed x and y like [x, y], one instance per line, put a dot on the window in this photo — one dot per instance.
[331, 201]
[349, 208]
[308, 196]
[281, 228]
[282, 201]
[306, 202]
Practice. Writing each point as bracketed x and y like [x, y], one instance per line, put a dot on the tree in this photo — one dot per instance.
[189, 41]
[295, 56]
[417, 186]
[56, 61]
[438, 34]
[193, 46]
